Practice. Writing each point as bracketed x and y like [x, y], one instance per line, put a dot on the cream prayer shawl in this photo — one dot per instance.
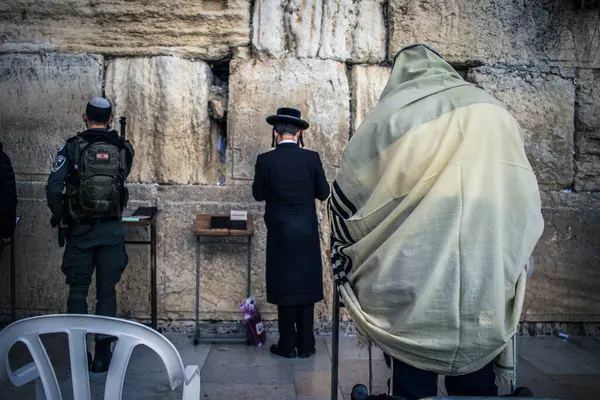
[434, 213]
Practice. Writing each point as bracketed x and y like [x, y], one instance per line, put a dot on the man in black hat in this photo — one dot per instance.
[289, 179]
[86, 195]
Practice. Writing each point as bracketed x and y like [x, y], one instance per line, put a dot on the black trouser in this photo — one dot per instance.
[101, 247]
[296, 328]
[413, 384]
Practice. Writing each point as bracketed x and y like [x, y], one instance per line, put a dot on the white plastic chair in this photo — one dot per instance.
[130, 335]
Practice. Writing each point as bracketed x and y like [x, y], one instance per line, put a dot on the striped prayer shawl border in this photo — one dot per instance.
[340, 209]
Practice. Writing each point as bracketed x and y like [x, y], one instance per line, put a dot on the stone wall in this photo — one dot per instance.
[162, 63]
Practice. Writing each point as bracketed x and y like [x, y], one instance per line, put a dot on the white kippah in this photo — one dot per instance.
[99, 102]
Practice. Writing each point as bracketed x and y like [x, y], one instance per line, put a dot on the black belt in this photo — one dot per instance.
[94, 221]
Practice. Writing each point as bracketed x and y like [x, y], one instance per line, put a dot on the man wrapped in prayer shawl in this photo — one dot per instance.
[435, 213]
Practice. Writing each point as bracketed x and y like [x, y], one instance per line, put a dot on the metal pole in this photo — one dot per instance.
[515, 360]
[197, 330]
[249, 287]
[335, 336]
[13, 281]
[153, 301]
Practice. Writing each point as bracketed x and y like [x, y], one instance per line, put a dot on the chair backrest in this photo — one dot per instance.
[130, 335]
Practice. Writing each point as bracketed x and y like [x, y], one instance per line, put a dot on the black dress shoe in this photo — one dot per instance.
[286, 354]
[306, 354]
[103, 356]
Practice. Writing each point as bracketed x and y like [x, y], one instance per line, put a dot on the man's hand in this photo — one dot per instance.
[55, 220]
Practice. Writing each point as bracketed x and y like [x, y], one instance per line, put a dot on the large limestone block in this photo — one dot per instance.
[367, 83]
[511, 32]
[587, 138]
[204, 29]
[564, 285]
[345, 30]
[222, 266]
[166, 102]
[543, 103]
[43, 98]
[257, 88]
[40, 284]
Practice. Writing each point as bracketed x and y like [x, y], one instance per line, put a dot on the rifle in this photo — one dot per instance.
[124, 191]
[123, 123]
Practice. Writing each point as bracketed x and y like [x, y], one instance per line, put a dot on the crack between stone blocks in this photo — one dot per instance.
[106, 61]
[321, 33]
[386, 21]
[288, 35]
[577, 132]
[350, 94]
[251, 35]
[352, 29]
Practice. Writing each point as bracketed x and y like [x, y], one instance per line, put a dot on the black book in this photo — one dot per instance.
[145, 212]
[223, 222]
[219, 222]
[238, 225]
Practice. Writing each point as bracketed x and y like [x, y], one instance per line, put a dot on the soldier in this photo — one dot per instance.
[86, 193]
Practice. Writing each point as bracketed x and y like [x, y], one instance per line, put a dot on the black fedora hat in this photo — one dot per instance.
[287, 115]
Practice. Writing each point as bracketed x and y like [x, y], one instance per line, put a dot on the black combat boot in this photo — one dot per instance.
[103, 356]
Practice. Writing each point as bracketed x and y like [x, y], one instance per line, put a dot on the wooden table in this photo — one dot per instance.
[202, 230]
[145, 223]
[13, 270]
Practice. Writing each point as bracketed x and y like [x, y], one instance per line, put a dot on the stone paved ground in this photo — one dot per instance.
[569, 370]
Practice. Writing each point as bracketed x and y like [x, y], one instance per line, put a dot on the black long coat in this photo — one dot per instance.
[289, 179]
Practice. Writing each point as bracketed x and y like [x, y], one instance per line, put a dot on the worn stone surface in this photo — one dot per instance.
[345, 30]
[223, 267]
[323, 309]
[543, 103]
[43, 98]
[367, 83]
[217, 105]
[40, 282]
[257, 88]
[515, 33]
[206, 29]
[587, 135]
[564, 285]
[166, 100]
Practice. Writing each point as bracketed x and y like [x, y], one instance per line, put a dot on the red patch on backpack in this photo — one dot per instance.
[102, 156]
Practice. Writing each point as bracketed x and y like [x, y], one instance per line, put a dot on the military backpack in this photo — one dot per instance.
[96, 185]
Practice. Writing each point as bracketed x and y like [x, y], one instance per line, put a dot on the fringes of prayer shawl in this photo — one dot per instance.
[504, 364]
